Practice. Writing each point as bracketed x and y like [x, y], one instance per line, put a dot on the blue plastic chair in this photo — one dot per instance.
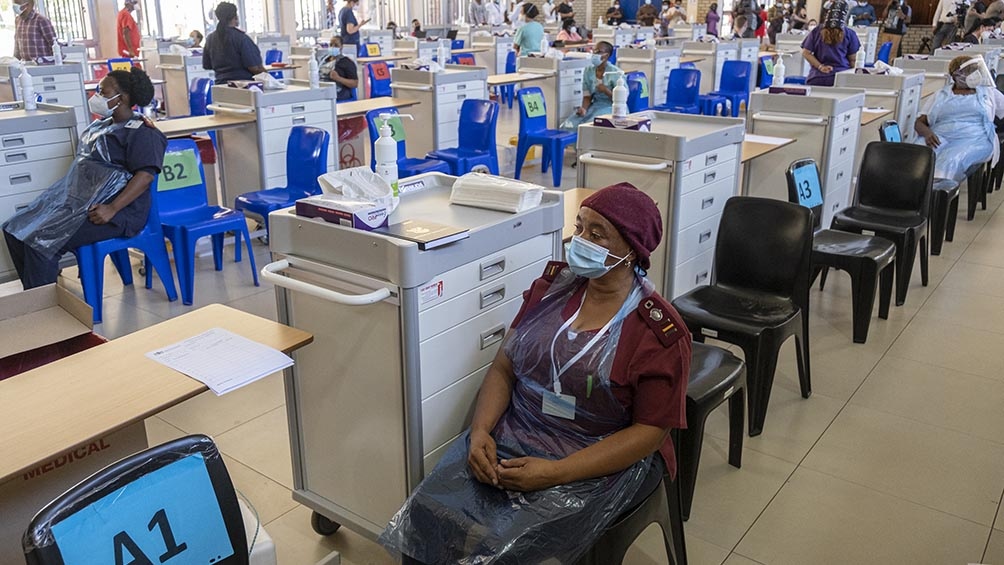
[91, 259]
[478, 122]
[200, 95]
[406, 166]
[379, 87]
[533, 131]
[613, 57]
[306, 159]
[766, 72]
[508, 92]
[688, 65]
[884, 52]
[456, 44]
[186, 217]
[274, 56]
[794, 80]
[463, 59]
[638, 92]
[735, 84]
[684, 88]
[119, 61]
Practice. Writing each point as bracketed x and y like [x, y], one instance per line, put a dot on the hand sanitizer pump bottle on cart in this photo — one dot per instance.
[385, 151]
[620, 107]
[778, 79]
[27, 90]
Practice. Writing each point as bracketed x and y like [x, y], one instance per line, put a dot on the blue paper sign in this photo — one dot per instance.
[170, 516]
[892, 133]
[807, 186]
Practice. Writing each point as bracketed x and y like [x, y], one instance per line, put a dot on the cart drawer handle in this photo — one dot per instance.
[701, 277]
[708, 177]
[589, 158]
[20, 179]
[15, 157]
[13, 141]
[492, 268]
[492, 336]
[271, 274]
[707, 203]
[704, 237]
[493, 296]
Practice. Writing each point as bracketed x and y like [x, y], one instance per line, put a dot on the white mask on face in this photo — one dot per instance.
[98, 104]
[985, 35]
[812, 27]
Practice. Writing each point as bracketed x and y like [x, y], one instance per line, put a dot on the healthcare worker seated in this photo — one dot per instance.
[598, 82]
[339, 69]
[572, 422]
[959, 121]
[104, 195]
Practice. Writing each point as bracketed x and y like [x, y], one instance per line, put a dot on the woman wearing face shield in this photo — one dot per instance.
[571, 426]
[598, 82]
[959, 121]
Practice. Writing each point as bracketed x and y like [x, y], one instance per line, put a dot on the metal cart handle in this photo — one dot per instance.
[882, 92]
[589, 159]
[418, 88]
[271, 274]
[788, 119]
[166, 67]
[229, 109]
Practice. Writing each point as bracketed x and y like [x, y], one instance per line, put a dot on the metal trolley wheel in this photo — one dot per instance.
[322, 525]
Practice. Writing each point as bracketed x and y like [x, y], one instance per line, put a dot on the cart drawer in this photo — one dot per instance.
[699, 179]
[709, 159]
[693, 273]
[702, 204]
[448, 412]
[266, 112]
[29, 138]
[36, 153]
[432, 459]
[32, 175]
[697, 239]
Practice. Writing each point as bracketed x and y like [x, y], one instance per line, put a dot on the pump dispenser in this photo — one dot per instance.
[443, 55]
[315, 73]
[778, 79]
[27, 90]
[385, 151]
[620, 97]
[57, 52]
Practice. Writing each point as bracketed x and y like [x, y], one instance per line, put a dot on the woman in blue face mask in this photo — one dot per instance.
[598, 82]
[571, 426]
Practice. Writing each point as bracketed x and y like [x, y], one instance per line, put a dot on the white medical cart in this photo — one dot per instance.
[900, 93]
[868, 36]
[382, 37]
[441, 96]
[402, 341]
[562, 87]
[179, 72]
[616, 36]
[416, 48]
[690, 166]
[825, 123]
[57, 84]
[749, 51]
[713, 55]
[656, 64]
[790, 44]
[498, 48]
[935, 70]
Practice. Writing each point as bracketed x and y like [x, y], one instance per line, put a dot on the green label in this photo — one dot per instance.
[644, 87]
[396, 128]
[769, 65]
[181, 170]
[534, 105]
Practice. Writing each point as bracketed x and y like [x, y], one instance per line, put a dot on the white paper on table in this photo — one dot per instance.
[222, 360]
[766, 139]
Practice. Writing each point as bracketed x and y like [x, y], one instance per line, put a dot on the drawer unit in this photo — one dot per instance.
[697, 239]
[441, 96]
[494, 54]
[37, 137]
[712, 57]
[36, 153]
[179, 72]
[62, 85]
[693, 273]
[704, 203]
[446, 414]
[702, 178]
[656, 64]
[899, 93]
[709, 159]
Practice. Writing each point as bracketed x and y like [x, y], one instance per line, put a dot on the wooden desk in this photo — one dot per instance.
[756, 146]
[871, 115]
[183, 127]
[470, 50]
[572, 202]
[513, 78]
[381, 59]
[92, 62]
[691, 59]
[72, 401]
[360, 107]
[271, 68]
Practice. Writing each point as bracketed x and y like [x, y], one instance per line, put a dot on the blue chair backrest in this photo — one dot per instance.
[884, 52]
[805, 189]
[478, 119]
[613, 57]
[369, 50]
[688, 65]
[181, 184]
[638, 92]
[464, 59]
[200, 95]
[273, 56]
[510, 62]
[456, 44]
[766, 71]
[373, 123]
[379, 77]
[532, 110]
[306, 158]
[736, 76]
[684, 86]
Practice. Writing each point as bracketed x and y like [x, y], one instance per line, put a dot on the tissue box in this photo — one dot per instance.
[637, 123]
[361, 216]
[793, 89]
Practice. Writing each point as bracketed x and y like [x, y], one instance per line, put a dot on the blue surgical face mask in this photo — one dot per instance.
[334, 51]
[596, 59]
[587, 259]
[17, 9]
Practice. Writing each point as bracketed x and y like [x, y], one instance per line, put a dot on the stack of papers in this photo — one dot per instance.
[222, 360]
[495, 193]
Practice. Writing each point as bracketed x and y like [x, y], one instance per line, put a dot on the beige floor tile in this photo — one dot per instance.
[119, 318]
[727, 500]
[263, 445]
[268, 497]
[297, 544]
[158, 431]
[934, 341]
[941, 469]
[995, 549]
[985, 251]
[793, 423]
[937, 396]
[736, 559]
[968, 277]
[213, 415]
[260, 304]
[999, 522]
[971, 309]
[823, 520]
[650, 549]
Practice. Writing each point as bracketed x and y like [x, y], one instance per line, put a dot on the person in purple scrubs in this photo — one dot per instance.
[830, 48]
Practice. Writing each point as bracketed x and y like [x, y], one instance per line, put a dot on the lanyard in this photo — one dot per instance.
[555, 371]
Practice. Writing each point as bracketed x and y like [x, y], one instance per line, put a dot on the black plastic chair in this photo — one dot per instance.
[85, 510]
[944, 197]
[863, 257]
[759, 292]
[716, 375]
[893, 200]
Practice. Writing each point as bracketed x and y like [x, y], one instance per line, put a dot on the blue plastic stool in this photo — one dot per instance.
[709, 104]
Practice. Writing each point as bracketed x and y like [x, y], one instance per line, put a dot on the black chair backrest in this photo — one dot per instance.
[805, 189]
[889, 131]
[766, 245]
[896, 176]
[175, 500]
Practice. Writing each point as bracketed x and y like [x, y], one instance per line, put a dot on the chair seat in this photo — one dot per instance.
[946, 185]
[712, 370]
[846, 244]
[741, 311]
[878, 220]
[550, 134]
[456, 153]
[193, 219]
[411, 167]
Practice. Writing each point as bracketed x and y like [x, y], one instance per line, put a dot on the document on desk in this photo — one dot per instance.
[222, 360]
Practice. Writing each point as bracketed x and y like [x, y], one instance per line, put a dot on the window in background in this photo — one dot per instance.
[309, 14]
[180, 17]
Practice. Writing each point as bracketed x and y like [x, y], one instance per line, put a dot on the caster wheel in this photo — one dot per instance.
[322, 525]
[141, 271]
[264, 240]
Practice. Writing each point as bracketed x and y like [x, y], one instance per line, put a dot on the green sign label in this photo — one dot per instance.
[534, 105]
[181, 170]
[396, 128]
[644, 87]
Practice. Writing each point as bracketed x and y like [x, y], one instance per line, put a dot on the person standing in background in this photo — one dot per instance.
[799, 17]
[128, 30]
[550, 12]
[761, 30]
[33, 32]
[711, 20]
[330, 15]
[349, 25]
[614, 15]
[229, 52]
[416, 26]
[945, 22]
[565, 10]
[975, 13]
[476, 13]
[647, 14]
[528, 37]
[494, 11]
[897, 18]
[995, 10]
[863, 14]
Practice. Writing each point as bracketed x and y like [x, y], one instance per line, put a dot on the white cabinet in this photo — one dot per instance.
[382, 37]
[441, 95]
[791, 45]
[711, 56]
[826, 125]
[267, 42]
[616, 36]
[656, 64]
[36, 150]
[690, 166]
[899, 93]
[868, 36]
[749, 51]
[497, 50]
[562, 87]
[62, 85]
[179, 73]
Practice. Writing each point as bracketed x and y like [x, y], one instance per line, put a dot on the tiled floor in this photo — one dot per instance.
[898, 456]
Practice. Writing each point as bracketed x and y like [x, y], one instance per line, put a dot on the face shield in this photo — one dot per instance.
[974, 73]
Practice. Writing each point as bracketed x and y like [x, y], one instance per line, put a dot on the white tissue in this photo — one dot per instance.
[359, 184]
[269, 82]
[883, 68]
[179, 50]
[495, 193]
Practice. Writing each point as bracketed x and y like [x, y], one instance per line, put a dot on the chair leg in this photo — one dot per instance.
[864, 283]
[237, 245]
[183, 265]
[822, 278]
[557, 156]
[737, 423]
[761, 362]
[93, 284]
[121, 261]
[953, 215]
[160, 262]
[983, 187]
[939, 219]
[885, 294]
[691, 441]
[521, 150]
[247, 241]
[924, 270]
[677, 536]
[802, 355]
[973, 183]
[906, 251]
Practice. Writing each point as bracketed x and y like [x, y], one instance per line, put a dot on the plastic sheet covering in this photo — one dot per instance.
[57, 213]
[453, 518]
[965, 126]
